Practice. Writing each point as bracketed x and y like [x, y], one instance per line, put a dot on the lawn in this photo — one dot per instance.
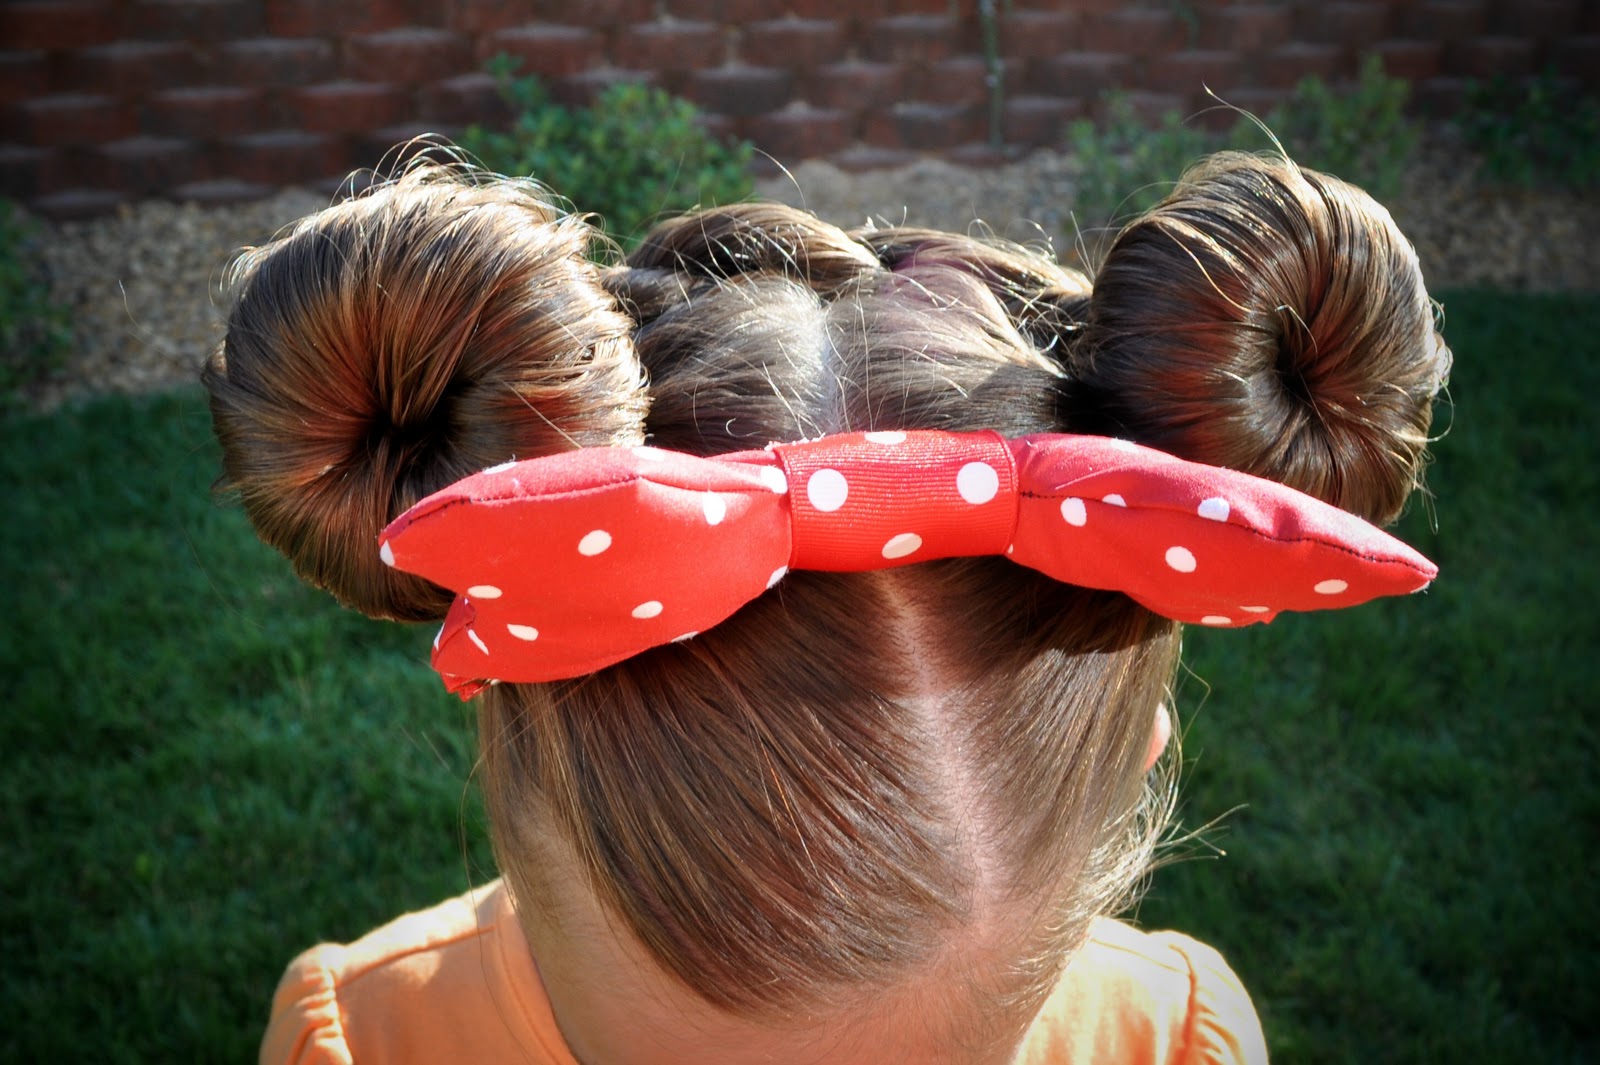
[205, 767]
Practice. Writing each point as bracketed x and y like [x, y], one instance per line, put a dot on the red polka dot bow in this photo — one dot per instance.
[572, 562]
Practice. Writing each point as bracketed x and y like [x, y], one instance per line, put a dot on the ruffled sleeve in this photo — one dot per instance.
[307, 1027]
[1222, 1027]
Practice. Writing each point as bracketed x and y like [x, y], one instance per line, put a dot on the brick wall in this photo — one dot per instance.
[103, 101]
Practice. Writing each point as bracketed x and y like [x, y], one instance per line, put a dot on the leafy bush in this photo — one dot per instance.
[1542, 129]
[34, 330]
[1361, 134]
[637, 153]
[1127, 167]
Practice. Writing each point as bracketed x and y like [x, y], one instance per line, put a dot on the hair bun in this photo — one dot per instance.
[1272, 320]
[394, 343]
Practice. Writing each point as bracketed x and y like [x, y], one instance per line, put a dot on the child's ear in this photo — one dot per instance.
[1159, 735]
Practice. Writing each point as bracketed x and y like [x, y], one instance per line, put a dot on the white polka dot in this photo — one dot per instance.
[437, 636]
[1114, 500]
[1180, 559]
[386, 553]
[827, 489]
[477, 641]
[774, 479]
[1072, 510]
[649, 454]
[977, 482]
[1215, 619]
[1124, 445]
[1256, 609]
[595, 542]
[1331, 587]
[523, 632]
[484, 591]
[902, 545]
[715, 508]
[1012, 549]
[777, 575]
[685, 636]
[1215, 508]
[502, 467]
[647, 610]
[886, 438]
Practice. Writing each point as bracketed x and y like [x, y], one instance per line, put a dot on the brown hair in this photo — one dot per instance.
[835, 788]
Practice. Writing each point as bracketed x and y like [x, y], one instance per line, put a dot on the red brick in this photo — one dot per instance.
[132, 68]
[462, 101]
[196, 20]
[1154, 107]
[1538, 18]
[1218, 118]
[281, 157]
[206, 113]
[26, 172]
[23, 75]
[221, 193]
[408, 56]
[959, 80]
[393, 147]
[857, 9]
[1190, 72]
[71, 204]
[923, 127]
[74, 118]
[1446, 21]
[1081, 74]
[545, 51]
[919, 7]
[800, 133]
[1039, 121]
[1486, 57]
[1138, 32]
[1412, 60]
[741, 91]
[1441, 96]
[1038, 34]
[586, 86]
[327, 18]
[1246, 27]
[852, 85]
[1347, 23]
[803, 43]
[670, 45]
[277, 61]
[864, 157]
[27, 24]
[1579, 57]
[596, 14]
[348, 106]
[485, 16]
[1286, 67]
[146, 165]
[911, 39]
[720, 127]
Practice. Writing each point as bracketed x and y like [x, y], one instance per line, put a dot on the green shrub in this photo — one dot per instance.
[1362, 134]
[1538, 130]
[636, 154]
[35, 331]
[1125, 166]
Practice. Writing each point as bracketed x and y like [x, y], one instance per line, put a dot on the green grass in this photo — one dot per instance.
[205, 767]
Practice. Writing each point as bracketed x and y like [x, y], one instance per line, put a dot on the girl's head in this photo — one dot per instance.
[915, 786]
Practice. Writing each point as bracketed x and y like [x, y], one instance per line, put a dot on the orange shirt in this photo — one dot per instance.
[456, 983]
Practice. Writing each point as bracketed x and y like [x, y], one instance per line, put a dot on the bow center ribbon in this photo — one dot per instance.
[869, 500]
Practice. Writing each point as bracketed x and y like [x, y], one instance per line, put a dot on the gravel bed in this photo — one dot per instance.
[143, 284]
